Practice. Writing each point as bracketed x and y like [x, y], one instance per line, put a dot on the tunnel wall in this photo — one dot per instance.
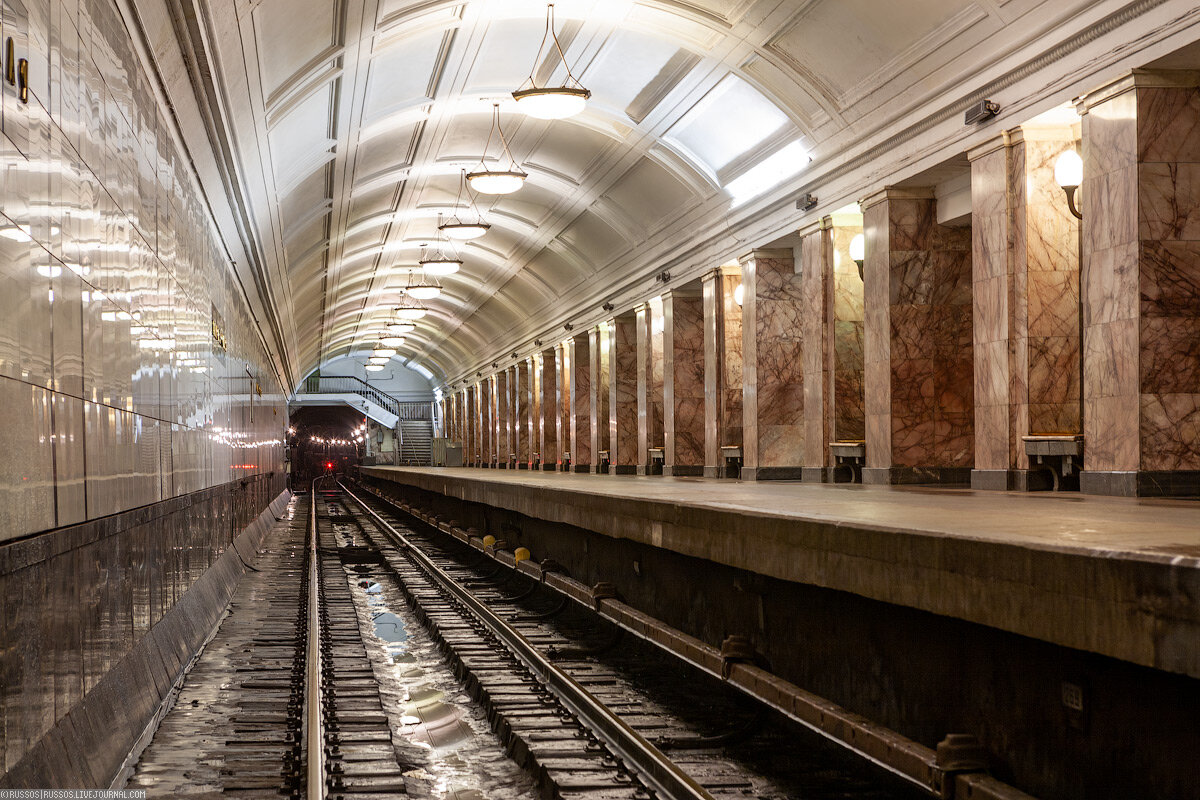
[143, 421]
[920, 674]
[131, 367]
[101, 618]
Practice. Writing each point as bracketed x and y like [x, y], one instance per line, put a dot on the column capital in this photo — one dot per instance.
[1138, 79]
[777, 252]
[691, 289]
[896, 193]
[816, 226]
[1000, 141]
[723, 271]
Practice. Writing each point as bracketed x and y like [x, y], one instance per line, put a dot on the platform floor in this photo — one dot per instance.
[1118, 576]
[1108, 527]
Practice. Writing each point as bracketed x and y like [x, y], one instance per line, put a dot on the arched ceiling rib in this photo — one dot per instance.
[352, 119]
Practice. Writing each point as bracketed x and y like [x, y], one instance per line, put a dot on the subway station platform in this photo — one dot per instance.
[1114, 576]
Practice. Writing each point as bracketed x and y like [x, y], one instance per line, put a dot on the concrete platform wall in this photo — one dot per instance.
[101, 618]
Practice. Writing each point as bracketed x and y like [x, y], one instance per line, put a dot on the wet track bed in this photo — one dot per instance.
[424, 694]
[730, 747]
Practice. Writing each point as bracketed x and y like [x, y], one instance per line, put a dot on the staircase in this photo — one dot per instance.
[416, 441]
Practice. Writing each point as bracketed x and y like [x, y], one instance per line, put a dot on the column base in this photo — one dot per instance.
[684, 470]
[772, 473]
[1011, 480]
[817, 475]
[1141, 483]
[624, 469]
[898, 476]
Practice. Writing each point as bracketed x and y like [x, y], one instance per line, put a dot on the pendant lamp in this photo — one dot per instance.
[551, 102]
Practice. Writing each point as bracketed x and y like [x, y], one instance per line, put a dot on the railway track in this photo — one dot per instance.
[298, 693]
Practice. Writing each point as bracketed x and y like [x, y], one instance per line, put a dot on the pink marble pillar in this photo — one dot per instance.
[598, 398]
[919, 378]
[469, 427]
[481, 419]
[503, 440]
[522, 398]
[650, 382]
[772, 367]
[548, 385]
[535, 411]
[489, 418]
[1141, 285]
[1025, 265]
[722, 366]
[624, 430]
[582, 397]
[564, 375]
[683, 380]
[817, 333]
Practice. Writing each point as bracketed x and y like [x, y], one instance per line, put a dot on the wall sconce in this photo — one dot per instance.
[1068, 173]
[568, 326]
[739, 293]
[858, 252]
[608, 306]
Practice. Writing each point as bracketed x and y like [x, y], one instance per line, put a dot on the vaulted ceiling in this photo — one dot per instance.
[348, 122]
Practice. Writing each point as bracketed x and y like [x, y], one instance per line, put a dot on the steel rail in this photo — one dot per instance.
[314, 733]
[659, 772]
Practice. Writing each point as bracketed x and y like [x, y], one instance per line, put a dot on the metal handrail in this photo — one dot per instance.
[314, 733]
[663, 774]
[352, 384]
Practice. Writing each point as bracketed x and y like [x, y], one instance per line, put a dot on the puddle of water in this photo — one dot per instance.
[462, 759]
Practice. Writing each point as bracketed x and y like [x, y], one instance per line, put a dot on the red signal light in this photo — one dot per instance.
[328, 465]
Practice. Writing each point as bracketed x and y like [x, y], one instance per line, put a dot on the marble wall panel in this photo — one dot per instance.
[731, 407]
[600, 374]
[523, 416]
[535, 409]
[503, 417]
[582, 399]
[849, 414]
[817, 298]
[683, 382]
[564, 375]
[773, 366]
[548, 384]
[928, 327]
[624, 427]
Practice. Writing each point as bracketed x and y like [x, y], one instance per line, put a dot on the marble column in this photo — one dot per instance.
[817, 333]
[650, 381]
[564, 375]
[722, 366]
[772, 367]
[624, 430]
[481, 415]
[918, 370]
[469, 426]
[548, 385]
[599, 371]
[582, 415]
[535, 411]
[522, 414]
[489, 428]
[1141, 285]
[683, 380]
[503, 445]
[1025, 265]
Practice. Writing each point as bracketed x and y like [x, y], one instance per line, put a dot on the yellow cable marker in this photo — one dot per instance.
[520, 554]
